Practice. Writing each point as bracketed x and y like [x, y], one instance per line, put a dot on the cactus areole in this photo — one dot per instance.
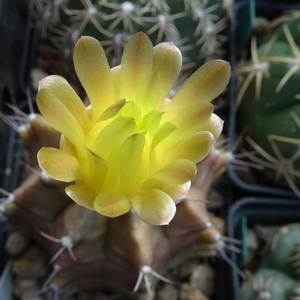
[132, 147]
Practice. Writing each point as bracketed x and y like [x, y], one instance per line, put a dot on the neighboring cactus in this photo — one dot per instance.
[278, 276]
[123, 252]
[198, 28]
[270, 107]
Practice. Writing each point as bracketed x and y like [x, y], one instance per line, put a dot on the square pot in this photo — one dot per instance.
[249, 211]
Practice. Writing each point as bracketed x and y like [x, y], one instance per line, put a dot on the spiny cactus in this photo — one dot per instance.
[278, 275]
[270, 103]
[112, 243]
[196, 27]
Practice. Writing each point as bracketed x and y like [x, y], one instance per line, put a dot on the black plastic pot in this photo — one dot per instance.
[248, 211]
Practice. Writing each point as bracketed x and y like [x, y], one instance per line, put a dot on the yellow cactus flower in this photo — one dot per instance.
[131, 147]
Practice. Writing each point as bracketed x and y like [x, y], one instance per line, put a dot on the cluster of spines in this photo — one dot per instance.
[196, 27]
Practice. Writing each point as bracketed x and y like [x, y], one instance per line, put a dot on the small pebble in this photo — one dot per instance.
[30, 296]
[22, 286]
[167, 292]
[188, 292]
[185, 270]
[31, 263]
[16, 243]
[203, 279]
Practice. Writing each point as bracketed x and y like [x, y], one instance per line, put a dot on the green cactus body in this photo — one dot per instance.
[270, 284]
[198, 28]
[270, 104]
[278, 275]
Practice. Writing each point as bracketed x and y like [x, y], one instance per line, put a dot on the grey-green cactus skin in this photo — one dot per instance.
[269, 104]
[198, 28]
[278, 274]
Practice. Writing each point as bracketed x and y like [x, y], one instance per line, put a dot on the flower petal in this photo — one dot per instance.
[153, 206]
[59, 87]
[176, 192]
[97, 169]
[59, 164]
[111, 111]
[176, 172]
[111, 204]
[116, 77]
[82, 195]
[213, 125]
[194, 147]
[94, 73]
[188, 121]
[130, 160]
[113, 135]
[149, 93]
[167, 61]
[204, 85]
[59, 117]
[163, 132]
[136, 64]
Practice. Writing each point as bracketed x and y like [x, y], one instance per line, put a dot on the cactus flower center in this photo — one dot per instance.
[132, 147]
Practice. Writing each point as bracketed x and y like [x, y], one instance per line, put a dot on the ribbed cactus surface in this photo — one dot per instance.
[269, 109]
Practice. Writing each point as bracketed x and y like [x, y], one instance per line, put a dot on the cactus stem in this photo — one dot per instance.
[144, 272]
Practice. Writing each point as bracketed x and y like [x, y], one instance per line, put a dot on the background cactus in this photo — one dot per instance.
[198, 28]
[269, 97]
[278, 274]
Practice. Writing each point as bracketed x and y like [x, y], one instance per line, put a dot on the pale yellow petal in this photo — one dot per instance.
[162, 133]
[59, 164]
[111, 111]
[111, 204]
[176, 192]
[154, 206]
[188, 121]
[94, 73]
[204, 85]
[136, 64]
[59, 117]
[130, 162]
[213, 125]
[116, 77]
[113, 135]
[149, 93]
[194, 147]
[176, 172]
[97, 169]
[82, 194]
[167, 61]
[59, 87]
